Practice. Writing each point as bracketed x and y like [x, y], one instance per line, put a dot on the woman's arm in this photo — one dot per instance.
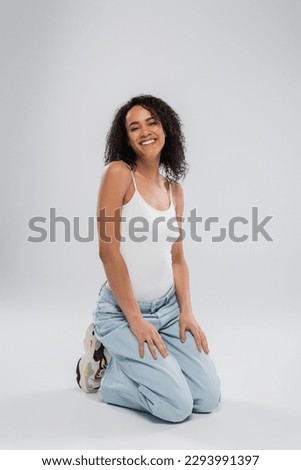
[181, 279]
[113, 186]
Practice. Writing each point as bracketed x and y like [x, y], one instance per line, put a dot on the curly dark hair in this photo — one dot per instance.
[172, 158]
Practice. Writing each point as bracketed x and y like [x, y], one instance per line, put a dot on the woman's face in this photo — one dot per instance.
[145, 133]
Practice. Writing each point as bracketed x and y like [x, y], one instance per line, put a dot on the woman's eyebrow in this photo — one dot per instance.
[137, 122]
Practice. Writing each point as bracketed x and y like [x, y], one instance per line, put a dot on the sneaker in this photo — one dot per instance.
[91, 367]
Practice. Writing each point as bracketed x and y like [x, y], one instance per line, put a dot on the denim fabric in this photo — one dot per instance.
[170, 388]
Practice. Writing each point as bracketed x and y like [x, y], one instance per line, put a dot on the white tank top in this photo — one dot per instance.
[148, 261]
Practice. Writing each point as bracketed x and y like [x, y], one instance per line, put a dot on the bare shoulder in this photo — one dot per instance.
[117, 167]
[115, 181]
[118, 173]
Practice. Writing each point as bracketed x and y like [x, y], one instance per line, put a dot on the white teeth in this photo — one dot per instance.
[147, 142]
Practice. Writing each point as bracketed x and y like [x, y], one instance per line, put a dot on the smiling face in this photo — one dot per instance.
[145, 132]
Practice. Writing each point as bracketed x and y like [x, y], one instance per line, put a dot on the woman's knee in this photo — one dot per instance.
[177, 409]
[175, 405]
[209, 398]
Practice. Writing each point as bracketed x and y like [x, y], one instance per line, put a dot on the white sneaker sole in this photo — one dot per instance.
[87, 369]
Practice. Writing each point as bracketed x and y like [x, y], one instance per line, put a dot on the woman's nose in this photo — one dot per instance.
[144, 131]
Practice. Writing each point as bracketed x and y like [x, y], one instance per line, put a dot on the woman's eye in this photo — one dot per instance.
[151, 123]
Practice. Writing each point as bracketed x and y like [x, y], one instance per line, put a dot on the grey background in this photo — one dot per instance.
[231, 69]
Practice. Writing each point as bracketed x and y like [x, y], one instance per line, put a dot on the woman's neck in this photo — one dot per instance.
[149, 170]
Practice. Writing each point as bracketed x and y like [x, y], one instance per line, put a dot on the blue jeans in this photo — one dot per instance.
[170, 388]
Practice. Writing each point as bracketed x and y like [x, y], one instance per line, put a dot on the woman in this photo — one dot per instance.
[145, 340]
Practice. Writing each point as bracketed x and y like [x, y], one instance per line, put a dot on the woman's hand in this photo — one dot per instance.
[145, 332]
[188, 323]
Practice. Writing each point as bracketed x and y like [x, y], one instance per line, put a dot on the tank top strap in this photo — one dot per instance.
[170, 192]
[134, 181]
[126, 164]
[132, 173]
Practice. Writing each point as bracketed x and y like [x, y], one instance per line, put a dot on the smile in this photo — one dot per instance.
[148, 142]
